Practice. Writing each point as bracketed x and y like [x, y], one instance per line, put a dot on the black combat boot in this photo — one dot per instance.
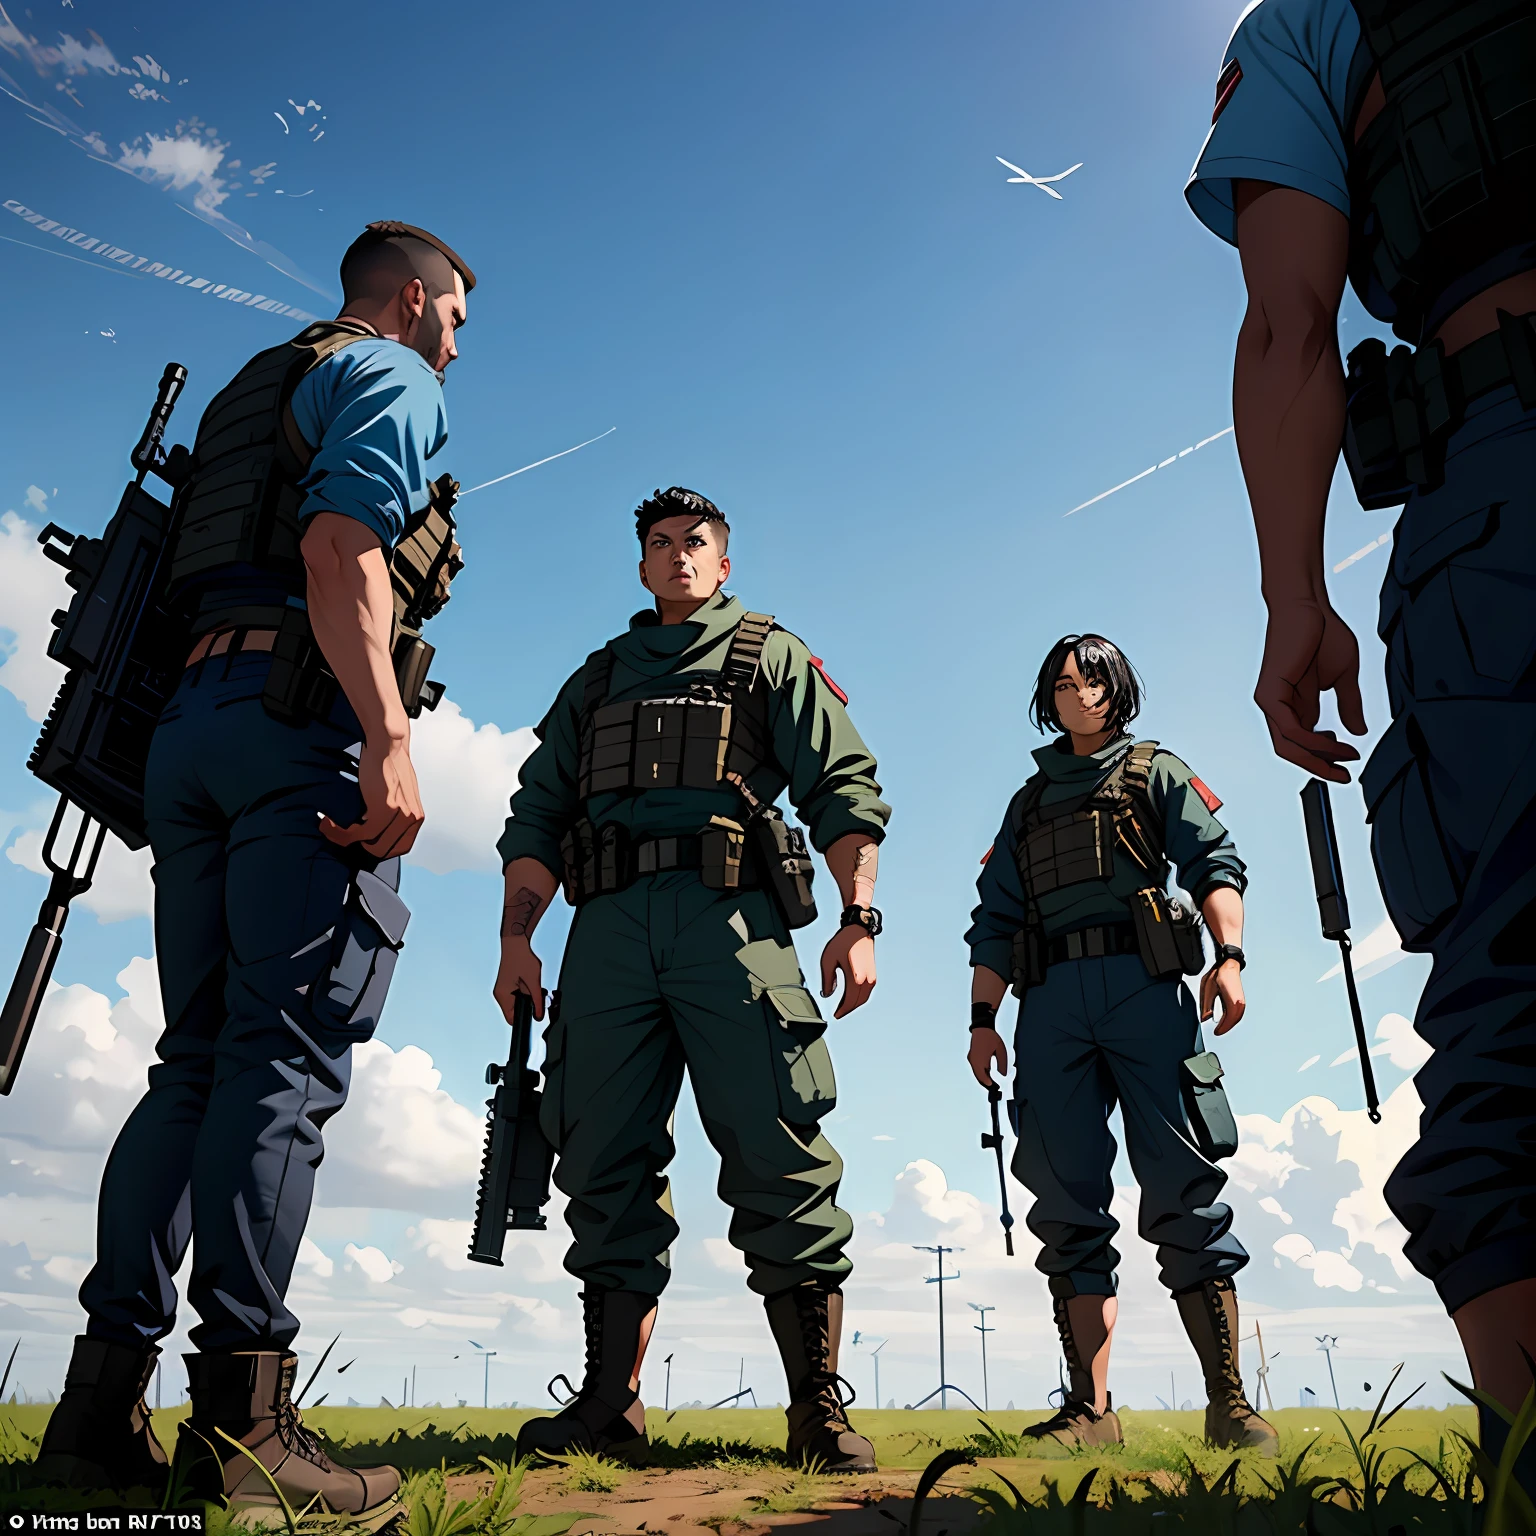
[1209, 1314]
[247, 1396]
[807, 1324]
[1076, 1422]
[606, 1417]
[99, 1435]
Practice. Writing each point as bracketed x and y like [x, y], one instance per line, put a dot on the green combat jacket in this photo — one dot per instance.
[816, 753]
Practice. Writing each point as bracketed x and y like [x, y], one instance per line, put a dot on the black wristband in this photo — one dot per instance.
[1231, 952]
[983, 1016]
[867, 918]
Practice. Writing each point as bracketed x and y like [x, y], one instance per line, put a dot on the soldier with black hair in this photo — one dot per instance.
[651, 799]
[1076, 913]
[280, 796]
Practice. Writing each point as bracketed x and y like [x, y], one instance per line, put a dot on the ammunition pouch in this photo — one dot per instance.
[299, 686]
[1069, 849]
[1206, 1107]
[784, 863]
[1029, 962]
[1167, 935]
[599, 861]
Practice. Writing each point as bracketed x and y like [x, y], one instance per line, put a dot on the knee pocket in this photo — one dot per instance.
[348, 996]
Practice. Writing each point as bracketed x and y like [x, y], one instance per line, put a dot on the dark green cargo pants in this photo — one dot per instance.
[664, 976]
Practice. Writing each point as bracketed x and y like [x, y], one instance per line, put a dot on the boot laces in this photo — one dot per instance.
[295, 1434]
[823, 1387]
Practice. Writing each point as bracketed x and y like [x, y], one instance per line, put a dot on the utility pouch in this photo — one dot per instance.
[1167, 935]
[595, 861]
[1399, 411]
[785, 863]
[1205, 1103]
[721, 845]
[299, 686]
[413, 658]
[1029, 962]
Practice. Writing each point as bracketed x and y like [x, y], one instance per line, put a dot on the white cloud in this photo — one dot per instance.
[186, 159]
[467, 774]
[314, 1258]
[376, 1265]
[32, 587]
[1376, 952]
[1311, 1061]
[70, 1271]
[402, 1142]
[1404, 1046]
[37, 499]
[444, 1240]
[122, 886]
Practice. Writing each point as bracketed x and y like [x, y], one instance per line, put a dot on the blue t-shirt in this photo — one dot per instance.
[375, 413]
[1290, 78]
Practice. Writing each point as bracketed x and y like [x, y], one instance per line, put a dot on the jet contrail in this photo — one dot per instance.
[526, 467]
[1151, 469]
[1360, 554]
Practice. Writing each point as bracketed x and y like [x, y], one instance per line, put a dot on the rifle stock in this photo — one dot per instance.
[515, 1169]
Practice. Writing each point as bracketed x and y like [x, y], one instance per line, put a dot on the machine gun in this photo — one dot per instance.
[1333, 907]
[994, 1142]
[120, 645]
[514, 1173]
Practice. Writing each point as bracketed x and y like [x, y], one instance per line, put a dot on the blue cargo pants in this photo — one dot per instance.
[1451, 797]
[1096, 1033]
[275, 953]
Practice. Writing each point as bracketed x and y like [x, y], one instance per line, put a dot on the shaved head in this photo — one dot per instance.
[388, 255]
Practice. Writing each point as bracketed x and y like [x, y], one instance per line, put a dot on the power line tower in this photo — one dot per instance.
[983, 1330]
[945, 1386]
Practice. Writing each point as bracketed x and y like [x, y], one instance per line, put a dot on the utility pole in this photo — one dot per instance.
[1328, 1342]
[486, 1353]
[666, 1401]
[940, 1250]
[983, 1330]
[413, 1386]
[1263, 1389]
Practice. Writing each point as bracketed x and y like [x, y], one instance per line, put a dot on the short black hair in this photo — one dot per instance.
[1100, 661]
[679, 501]
[388, 254]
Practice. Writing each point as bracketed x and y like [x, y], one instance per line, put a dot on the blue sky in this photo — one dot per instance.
[774, 250]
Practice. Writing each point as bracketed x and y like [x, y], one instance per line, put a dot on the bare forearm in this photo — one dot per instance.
[530, 888]
[854, 861]
[1223, 913]
[987, 986]
[1288, 381]
[351, 612]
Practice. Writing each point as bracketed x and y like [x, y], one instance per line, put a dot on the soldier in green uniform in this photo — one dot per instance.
[1075, 909]
[651, 798]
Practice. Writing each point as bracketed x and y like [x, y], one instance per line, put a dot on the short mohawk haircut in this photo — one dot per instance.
[676, 501]
[389, 254]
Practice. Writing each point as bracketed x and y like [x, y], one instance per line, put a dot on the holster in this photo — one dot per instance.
[299, 687]
[1205, 1104]
[1167, 935]
[784, 864]
[1399, 412]
[722, 845]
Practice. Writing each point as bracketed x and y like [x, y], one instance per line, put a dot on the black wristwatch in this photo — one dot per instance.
[983, 1016]
[867, 918]
[1231, 952]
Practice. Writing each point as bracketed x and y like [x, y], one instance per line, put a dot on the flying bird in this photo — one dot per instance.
[1043, 182]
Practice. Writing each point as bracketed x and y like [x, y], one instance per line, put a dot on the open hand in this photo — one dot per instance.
[1226, 982]
[1309, 651]
[852, 951]
[392, 811]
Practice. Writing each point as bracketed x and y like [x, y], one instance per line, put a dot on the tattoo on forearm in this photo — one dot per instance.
[520, 913]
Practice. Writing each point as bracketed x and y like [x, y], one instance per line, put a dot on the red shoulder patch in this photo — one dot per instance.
[821, 667]
[1212, 801]
[1227, 81]
[988, 854]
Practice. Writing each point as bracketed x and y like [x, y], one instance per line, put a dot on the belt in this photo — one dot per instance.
[657, 855]
[228, 642]
[1504, 356]
[1094, 943]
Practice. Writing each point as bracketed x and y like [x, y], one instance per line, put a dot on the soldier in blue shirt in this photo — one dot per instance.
[1395, 145]
[279, 796]
[1074, 909]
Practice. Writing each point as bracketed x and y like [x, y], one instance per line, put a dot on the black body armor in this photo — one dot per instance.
[1443, 179]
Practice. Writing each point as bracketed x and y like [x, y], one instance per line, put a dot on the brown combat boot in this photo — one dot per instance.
[247, 1396]
[606, 1417]
[1209, 1313]
[1076, 1422]
[807, 1324]
[99, 1435]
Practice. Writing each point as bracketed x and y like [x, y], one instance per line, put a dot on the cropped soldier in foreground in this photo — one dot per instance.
[1395, 144]
[279, 796]
[1075, 911]
[651, 797]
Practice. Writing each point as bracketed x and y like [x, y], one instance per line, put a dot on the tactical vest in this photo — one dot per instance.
[1077, 842]
[240, 505]
[696, 739]
[1443, 179]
